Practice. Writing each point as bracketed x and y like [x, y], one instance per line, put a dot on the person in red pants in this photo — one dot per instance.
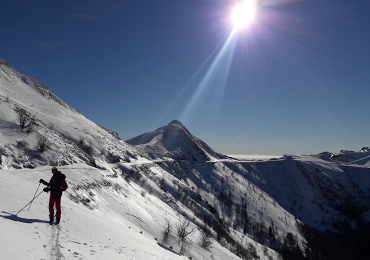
[56, 186]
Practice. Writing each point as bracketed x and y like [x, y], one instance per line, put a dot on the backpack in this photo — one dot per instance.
[63, 183]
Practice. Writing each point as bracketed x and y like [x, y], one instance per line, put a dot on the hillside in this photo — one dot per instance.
[93, 157]
[102, 218]
[280, 208]
[64, 135]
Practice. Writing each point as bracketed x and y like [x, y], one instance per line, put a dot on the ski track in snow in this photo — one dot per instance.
[53, 247]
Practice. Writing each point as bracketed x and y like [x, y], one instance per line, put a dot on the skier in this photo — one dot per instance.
[56, 186]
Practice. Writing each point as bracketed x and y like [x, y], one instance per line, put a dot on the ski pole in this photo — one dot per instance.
[29, 202]
[34, 195]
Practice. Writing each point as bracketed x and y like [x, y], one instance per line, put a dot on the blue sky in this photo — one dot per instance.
[296, 81]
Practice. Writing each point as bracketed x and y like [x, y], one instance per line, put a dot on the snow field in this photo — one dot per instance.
[122, 224]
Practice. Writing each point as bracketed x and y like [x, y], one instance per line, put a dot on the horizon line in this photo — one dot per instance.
[253, 156]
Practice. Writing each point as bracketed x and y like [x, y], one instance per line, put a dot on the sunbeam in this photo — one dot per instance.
[213, 82]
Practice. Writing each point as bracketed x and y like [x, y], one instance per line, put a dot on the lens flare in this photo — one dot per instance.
[244, 13]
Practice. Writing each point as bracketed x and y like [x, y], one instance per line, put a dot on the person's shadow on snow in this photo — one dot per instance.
[23, 220]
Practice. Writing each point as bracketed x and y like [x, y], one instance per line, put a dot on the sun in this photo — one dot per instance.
[244, 13]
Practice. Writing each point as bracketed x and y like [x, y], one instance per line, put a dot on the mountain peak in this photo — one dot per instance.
[176, 142]
[176, 122]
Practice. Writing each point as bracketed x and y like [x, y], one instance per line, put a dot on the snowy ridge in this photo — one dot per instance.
[360, 158]
[71, 137]
[11, 75]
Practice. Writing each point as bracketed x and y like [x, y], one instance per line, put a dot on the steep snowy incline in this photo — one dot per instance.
[102, 218]
[317, 192]
[25, 90]
[68, 136]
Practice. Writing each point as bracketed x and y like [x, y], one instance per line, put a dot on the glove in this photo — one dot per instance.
[41, 180]
[46, 189]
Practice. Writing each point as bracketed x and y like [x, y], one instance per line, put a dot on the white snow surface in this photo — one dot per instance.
[117, 223]
[62, 125]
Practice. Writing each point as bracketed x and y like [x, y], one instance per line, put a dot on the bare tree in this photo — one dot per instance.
[166, 231]
[42, 142]
[25, 120]
[86, 147]
[183, 230]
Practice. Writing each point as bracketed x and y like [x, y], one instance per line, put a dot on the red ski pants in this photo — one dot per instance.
[51, 208]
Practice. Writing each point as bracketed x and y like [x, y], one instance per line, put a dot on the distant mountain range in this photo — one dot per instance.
[285, 204]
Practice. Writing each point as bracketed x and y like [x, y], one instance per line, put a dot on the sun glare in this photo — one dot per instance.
[244, 13]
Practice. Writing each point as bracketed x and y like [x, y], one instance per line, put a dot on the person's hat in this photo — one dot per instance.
[54, 168]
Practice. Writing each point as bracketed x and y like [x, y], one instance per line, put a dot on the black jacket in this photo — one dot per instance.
[54, 185]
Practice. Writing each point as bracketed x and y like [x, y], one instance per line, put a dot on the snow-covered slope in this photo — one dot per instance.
[361, 158]
[69, 136]
[102, 218]
[315, 191]
[176, 142]
[168, 175]
[124, 188]
[318, 190]
[325, 191]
